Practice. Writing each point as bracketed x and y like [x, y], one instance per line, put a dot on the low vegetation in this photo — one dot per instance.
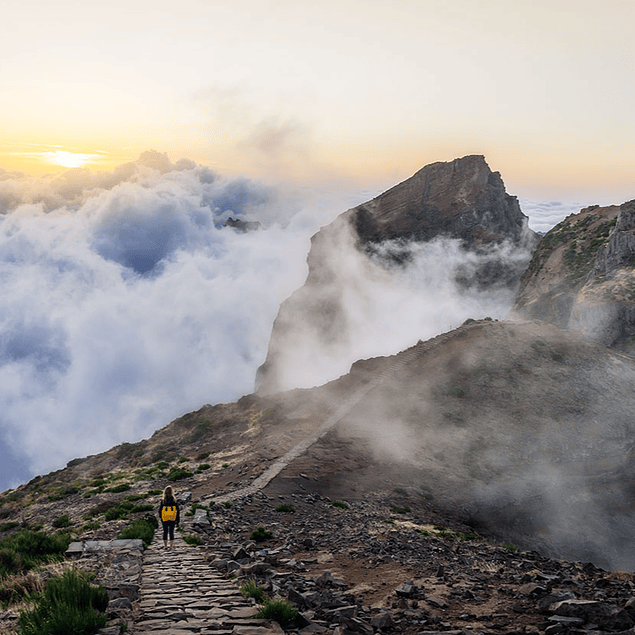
[194, 540]
[251, 590]
[286, 508]
[26, 549]
[260, 534]
[142, 529]
[68, 604]
[278, 610]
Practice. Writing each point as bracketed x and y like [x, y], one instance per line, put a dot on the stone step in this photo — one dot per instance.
[181, 594]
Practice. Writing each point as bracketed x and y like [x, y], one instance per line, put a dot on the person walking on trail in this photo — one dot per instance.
[170, 516]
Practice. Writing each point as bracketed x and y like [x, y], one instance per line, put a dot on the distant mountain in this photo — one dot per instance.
[582, 276]
[461, 199]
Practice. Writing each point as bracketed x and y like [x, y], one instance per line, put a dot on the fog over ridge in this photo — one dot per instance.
[126, 301]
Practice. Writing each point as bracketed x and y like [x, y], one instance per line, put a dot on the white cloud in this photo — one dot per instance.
[126, 307]
[543, 215]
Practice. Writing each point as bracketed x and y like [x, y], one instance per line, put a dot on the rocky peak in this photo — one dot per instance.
[461, 200]
[582, 276]
[620, 249]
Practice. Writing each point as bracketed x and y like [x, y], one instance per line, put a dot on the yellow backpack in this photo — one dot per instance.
[168, 512]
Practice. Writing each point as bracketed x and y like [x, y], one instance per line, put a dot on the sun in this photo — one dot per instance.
[67, 159]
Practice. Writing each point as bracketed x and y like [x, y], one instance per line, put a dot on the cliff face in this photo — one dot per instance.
[582, 276]
[461, 200]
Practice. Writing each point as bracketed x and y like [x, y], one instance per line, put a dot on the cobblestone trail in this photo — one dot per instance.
[181, 594]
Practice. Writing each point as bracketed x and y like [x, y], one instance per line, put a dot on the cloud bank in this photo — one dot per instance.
[127, 301]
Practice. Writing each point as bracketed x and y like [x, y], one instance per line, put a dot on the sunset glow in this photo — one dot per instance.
[361, 91]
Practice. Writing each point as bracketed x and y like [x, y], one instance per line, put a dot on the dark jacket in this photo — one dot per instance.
[170, 502]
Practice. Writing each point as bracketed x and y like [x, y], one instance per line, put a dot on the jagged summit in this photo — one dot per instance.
[582, 276]
[460, 200]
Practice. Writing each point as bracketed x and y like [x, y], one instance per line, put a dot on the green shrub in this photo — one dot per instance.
[227, 504]
[285, 507]
[100, 508]
[155, 492]
[146, 507]
[202, 456]
[251, 590]
[163, 465]
[136, 497]
[25, 549]
[98, 482]
[279, 610]
[260, 534]
[183, 459]
[122, 487]
[178, 473]
[10, 525]
[340, 504]
[91, 527]
[202, 467]
[193, 540]
[62, 493]
[224, 465]
[400, 510]
[142, 528]
[69, 604]
[120, 511]
[62, 521]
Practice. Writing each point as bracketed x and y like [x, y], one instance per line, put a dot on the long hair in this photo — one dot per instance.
[168, 495]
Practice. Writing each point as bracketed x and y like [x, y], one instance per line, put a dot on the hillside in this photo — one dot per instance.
[519, 428]
[581, 276]
[513, 433]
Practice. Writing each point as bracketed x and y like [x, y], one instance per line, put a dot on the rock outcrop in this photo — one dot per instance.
[461, 199]
[582, 276]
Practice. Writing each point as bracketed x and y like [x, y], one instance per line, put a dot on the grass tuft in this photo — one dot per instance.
[280, 611]
[260, 534]
[251, 590]
[69, 604]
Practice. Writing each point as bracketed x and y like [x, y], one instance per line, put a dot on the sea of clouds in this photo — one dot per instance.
[127, 300]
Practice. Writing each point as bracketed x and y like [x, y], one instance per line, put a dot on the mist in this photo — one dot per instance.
[127, 302]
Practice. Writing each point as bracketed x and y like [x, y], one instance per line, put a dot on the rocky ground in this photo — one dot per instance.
[383, 565]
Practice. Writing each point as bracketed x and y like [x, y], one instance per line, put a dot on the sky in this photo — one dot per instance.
[131, 131]
[337, 91]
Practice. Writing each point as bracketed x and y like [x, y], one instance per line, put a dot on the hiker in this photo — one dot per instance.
[170, 515]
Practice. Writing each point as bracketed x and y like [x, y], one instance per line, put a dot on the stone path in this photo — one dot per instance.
[181, 594]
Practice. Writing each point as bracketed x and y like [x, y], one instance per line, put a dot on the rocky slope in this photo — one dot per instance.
[462, 200]
[519, 428]
[497, 432]
[582, 276]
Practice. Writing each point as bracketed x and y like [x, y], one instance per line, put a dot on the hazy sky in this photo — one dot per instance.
[361, 91]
